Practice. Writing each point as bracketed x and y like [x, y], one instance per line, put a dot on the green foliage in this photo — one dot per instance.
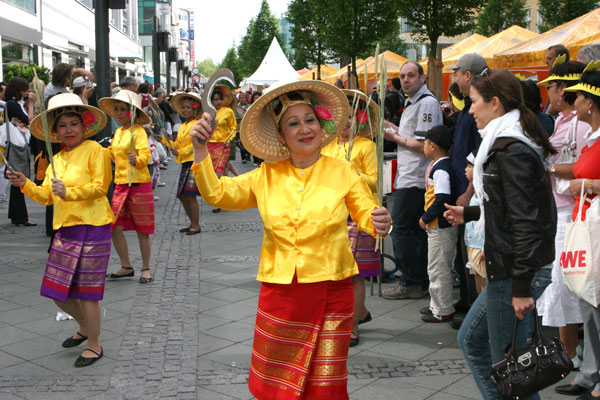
[258, 38]
[431, 19]
[307, 30]
[232, 62]
[392, 42]
[206, 67]
[352, 26]
[299, 61]
[26, 72]
[498, 15]
[557, 12]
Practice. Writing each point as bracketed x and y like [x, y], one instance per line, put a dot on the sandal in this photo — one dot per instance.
[146, 280]
[113, 275]
[87, 361]
[193, 231]
[354, 340]
[365, 319]
[184, 230]
[73, 341]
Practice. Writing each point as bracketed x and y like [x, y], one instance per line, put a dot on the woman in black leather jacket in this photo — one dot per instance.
[518, 215]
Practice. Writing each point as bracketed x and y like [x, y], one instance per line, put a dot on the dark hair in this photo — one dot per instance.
[255, 94]
[419, 66]
[2, 86]
[61, 73]
[455, 91]
[277, 109]
[507, 87]
[396, 83]
[78, 90]
[69, 114]
[531, 95]
[14, 88]
[216, 93]
[570, 67]
[144, 87]
[559, 50]
[591, 78]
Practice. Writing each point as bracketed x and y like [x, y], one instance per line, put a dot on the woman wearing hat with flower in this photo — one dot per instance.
[188, 106]
[76, 268]
[358, 148]
[132, 202]
[305, 305]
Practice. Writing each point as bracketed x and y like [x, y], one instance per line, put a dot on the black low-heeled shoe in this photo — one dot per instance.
[184, 230]
[87, 361]
[74, 342]
[354, 340]
[113, 275]
[365, 319]
[571, 390]
[146, 280]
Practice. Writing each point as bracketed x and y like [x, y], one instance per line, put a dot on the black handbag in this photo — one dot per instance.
[525, 372]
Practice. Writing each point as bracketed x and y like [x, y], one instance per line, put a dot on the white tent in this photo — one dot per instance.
[274, 67]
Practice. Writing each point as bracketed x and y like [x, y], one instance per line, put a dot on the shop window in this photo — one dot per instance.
[27, 5]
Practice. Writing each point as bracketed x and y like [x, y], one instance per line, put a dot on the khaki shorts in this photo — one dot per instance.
[476, 263]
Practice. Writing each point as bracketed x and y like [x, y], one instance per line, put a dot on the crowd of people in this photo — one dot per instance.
[482, 192]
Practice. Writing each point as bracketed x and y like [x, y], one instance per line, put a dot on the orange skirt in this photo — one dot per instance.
[301, 340]
[219, 155]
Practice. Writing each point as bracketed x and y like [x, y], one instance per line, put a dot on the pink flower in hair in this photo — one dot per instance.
[362, 116]
[88, 118]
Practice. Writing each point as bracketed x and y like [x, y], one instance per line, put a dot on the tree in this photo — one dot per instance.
[255, 43]
[299, 61]
[392, 42]
[206, 67]
[497, 15]
[307, 30]
[232, 62]
[26, 72]
[352, 26]
[431, 19]
[557, 12]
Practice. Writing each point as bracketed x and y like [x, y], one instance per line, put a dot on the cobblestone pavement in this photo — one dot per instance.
[188, 335]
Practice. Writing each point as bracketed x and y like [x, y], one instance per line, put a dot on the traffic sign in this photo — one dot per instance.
[195, 71]
[196, 78]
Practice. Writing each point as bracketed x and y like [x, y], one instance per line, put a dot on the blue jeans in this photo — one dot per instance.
[487, 330]
[410, 241]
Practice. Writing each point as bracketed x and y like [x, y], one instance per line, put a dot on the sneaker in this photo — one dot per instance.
[156, 198]
[400, 292]
[425, 311]
[434, 319]
[160, 184]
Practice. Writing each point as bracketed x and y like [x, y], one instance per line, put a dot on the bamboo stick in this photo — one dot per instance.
[39, 93]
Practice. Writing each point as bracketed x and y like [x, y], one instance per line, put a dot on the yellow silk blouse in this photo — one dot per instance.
[86, 173]
[304, 212]
[362, 158]
[119, 150]
[226, 126]
[183, 144]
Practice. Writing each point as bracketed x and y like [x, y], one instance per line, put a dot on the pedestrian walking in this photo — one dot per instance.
[76, 269]
[305, 304]
[360, 152]
[132, 202]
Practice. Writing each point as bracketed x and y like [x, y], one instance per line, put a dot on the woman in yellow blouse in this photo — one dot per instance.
[359, 150]
[188, 105]
[305, 305]
[219, 145]
[76, 268]
[132, 202]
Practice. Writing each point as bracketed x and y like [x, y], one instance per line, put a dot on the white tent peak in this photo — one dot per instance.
[274, 67]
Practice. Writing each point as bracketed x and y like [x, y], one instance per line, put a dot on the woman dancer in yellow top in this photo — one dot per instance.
[76, 268]
[360, 152]
[188, 105]
[132, 200]
[305, 306]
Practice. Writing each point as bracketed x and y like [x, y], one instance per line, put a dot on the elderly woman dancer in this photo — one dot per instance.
[586, 172]
[558, 305]
[305, 305]
[188, 106]
[76, 268]
[132, 201]
[518, 215]
[361, 155]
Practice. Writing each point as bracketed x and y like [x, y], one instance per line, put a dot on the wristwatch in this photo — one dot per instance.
[552, 169]
[590, 186]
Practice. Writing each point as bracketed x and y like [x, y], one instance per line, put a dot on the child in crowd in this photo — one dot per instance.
[441, 235]
[473, 241]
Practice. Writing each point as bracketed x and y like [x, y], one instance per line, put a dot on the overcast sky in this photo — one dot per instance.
[219, 23]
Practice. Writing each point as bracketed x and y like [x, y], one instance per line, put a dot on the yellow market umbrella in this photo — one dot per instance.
[532, 53]
[342, 73]
[393, 60]
[461, 47]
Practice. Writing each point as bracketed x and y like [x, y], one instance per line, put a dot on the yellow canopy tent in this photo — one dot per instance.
[342, 73]
[461, 46]
[501, 41]
[393, 60]
[578, 32]
[326, 70]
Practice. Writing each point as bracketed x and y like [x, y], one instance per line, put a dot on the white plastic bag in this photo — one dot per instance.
[580, 259]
